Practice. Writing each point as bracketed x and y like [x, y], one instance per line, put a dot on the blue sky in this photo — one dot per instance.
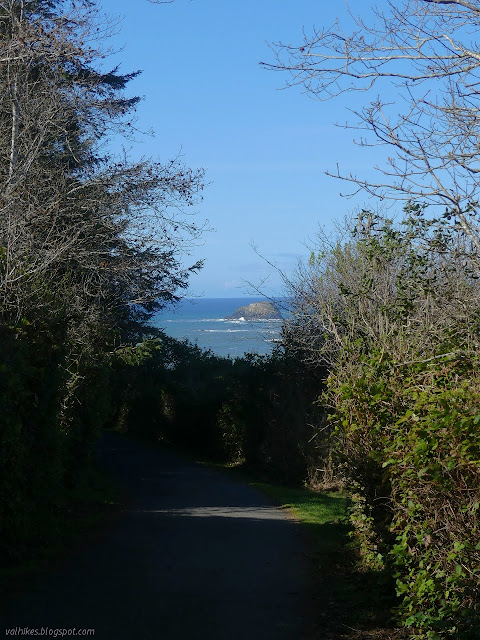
[265, 150]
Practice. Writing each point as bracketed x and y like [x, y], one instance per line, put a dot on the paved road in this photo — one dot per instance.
[194, 555]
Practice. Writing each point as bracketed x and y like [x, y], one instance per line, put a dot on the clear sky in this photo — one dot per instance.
[265, 150]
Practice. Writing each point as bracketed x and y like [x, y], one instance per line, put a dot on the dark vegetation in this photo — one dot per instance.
[259, 410]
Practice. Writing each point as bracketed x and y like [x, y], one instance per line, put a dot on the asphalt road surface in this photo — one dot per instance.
[194, 555]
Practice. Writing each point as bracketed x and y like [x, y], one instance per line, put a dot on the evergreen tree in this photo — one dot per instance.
[90, 244]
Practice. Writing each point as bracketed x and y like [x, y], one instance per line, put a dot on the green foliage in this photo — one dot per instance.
[416, 465]
[173, 391]
[405, 392]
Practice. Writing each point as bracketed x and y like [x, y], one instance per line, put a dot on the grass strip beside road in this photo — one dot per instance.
[324, 516]
[348, 602]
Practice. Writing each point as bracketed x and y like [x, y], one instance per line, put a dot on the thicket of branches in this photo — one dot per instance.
[418, 65]
[392, 307]
[90, 246]
[393, 312]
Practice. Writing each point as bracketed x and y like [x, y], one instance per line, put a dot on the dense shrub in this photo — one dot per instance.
[50, 419]
[257, 409]
[412, 446]
[393, 310]
[30, 453]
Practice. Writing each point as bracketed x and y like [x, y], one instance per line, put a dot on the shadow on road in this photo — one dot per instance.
[193, 555]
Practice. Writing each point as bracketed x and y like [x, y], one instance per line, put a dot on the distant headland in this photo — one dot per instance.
[257, 311]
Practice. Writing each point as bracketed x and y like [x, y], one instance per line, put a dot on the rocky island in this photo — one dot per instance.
[257, 311]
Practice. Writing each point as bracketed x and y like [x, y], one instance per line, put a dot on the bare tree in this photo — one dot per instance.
[419, 62]
[402, 289]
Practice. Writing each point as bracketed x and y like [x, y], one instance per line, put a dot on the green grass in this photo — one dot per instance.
[322, 514]
[308, 506]
[348, 598]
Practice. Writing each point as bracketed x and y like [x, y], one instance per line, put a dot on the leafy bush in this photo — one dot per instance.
[415, 462]
[393, 310]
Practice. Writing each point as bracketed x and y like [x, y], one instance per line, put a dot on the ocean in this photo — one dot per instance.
[204, 322]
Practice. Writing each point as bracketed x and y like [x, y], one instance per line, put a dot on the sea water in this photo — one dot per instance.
[204, 321]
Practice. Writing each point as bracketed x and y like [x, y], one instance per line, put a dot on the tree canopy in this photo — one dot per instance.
[91, 244]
